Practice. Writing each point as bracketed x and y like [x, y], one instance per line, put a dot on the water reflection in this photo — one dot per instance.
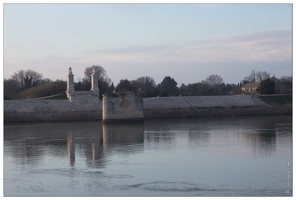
[37, 140]
[118, 138]
[31, 142]
[71, 149]
[262, 133]
[197, 157]
[94, 140]
[123, 133]
[258, 133]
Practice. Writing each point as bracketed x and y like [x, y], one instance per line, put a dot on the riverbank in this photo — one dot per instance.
[18, 111]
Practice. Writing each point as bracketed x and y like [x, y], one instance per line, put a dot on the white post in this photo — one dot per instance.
[70, 81]
[94, 82]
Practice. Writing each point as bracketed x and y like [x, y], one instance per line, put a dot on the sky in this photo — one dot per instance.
[187, 42]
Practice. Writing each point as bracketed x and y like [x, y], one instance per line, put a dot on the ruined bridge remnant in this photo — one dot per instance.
[115, 107]
[123, 107]
[87, 106]
[82, 97]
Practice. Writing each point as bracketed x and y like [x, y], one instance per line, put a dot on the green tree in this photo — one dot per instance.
[283, 85]
[197, 89]
[168, 87]
[125, 86]
[111, 88]
[183, 89]
[266, 86]
[146, 84]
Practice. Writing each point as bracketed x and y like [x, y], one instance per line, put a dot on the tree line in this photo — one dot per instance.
[30, 84]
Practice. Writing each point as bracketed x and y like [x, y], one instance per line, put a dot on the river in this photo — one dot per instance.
[243, 156]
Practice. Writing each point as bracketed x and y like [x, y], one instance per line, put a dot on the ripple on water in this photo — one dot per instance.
[93, 171]
[97, 171]
[171, 186]
[118, 176]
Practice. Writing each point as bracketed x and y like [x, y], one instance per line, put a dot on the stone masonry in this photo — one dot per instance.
[123, 107]
[83, 97]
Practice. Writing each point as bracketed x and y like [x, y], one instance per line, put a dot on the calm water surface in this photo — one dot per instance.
[243, 156]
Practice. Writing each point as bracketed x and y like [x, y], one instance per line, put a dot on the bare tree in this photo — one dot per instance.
[214, 80]
[257, 77]
[27, 79]
[99, 69]
[261, 76]
[251, 78]
[104, 80]
[215, 84]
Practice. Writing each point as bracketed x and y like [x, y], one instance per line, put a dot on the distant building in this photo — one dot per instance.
[250, 88]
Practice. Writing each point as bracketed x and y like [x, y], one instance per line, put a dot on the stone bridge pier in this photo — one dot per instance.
[115, 107]
[123, 107]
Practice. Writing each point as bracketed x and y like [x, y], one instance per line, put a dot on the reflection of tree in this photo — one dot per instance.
[262, 142]
[25, 147]
[198, 137]
[262, 134]
[267, 139]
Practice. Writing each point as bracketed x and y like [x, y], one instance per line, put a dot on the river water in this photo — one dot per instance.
[243, 156]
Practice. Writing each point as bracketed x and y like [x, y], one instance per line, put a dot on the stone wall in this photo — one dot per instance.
[159, 107]
[201, 102]
[50, 110]
[127, 106]
[210, 106]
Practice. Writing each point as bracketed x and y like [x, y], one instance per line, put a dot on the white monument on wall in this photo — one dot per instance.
[82, 97]
[70, 83]
[94, 81]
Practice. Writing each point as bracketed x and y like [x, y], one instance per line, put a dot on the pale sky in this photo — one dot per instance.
[188, 42]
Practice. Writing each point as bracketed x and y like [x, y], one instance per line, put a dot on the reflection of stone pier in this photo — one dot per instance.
[122, 134]
[95, 140]
[71, 149]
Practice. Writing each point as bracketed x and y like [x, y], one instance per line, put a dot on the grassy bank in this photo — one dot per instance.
[57, 96]
[277, 99]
